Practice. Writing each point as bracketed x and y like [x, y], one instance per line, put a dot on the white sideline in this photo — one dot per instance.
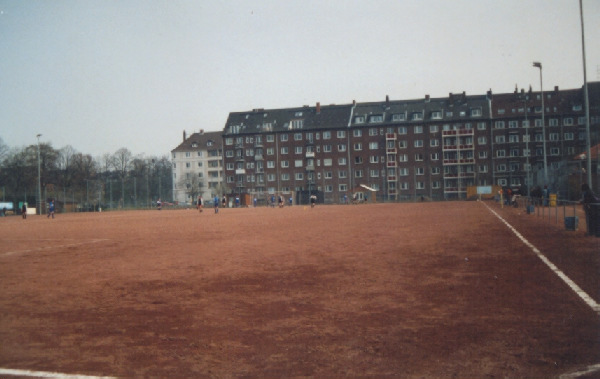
[42, 374]
[581, 293]
[577, 374]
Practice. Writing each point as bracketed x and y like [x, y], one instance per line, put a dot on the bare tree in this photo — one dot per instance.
[121, 161]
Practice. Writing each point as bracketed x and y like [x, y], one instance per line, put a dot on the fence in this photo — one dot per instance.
[559, 211]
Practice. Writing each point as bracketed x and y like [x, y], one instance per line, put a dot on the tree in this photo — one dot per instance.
[121, 161]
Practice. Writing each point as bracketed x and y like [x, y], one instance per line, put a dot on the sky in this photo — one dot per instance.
[100, 75]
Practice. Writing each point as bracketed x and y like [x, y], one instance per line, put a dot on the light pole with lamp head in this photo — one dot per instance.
[39, 176]
[539, 65]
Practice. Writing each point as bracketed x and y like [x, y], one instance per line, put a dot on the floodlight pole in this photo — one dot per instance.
[588, 147]
[539, 65]
[39, 176]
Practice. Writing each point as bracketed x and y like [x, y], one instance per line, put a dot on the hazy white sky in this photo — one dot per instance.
[104, 74]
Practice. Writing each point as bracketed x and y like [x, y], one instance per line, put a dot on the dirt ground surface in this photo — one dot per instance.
[417, 290]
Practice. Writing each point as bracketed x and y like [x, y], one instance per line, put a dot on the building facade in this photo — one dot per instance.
[198, 167]
[407, 149]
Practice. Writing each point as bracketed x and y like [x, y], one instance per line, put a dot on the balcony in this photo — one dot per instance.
[310, 167]
[391, 163]
[310, 154]
[258, 157]
[390, 136]
[240, 171]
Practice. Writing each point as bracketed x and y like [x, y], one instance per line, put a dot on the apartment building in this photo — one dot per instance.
[406, 149]
[198, 167]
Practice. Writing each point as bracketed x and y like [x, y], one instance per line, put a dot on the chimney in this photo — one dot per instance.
[201, 131]
[353, 102]
[184, 136]
[318, 107]
[555, 88]
[427, 98]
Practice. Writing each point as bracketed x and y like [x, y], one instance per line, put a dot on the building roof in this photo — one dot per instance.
[594, 154]
[279, 120]
[200, 141]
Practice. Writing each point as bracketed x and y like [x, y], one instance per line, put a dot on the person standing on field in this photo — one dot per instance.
[216, 201]
[199, 204]
[24, 211]
[51, 209]
[591, 206]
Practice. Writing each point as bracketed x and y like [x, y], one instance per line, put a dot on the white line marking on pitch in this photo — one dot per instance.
[42, 374]
[51, 247]
[577, 374]
[581, 293]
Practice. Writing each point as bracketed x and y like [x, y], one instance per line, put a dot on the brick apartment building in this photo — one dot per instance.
[407, 149]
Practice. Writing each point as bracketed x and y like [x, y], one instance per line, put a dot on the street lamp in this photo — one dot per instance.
[539, 65]
[39, 176]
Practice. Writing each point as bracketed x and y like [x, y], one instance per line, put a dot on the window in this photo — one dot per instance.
[327, 148]
[499, 124]
[500, 139]
[402, 144]
[298, 149]
[342, 161]
[327, 162]
[285, 176]
[513, 138]
[297, 136]
[577, 107]
[373, 173]
[372, 132]
[357, 133]
[283, 137]
[481, 126]
[298, 163]
[403, 171]
[417, 116]
[297, 124]
[513, 124]
[299, 176]
[359, 119]
[418, 143]
[270, 164]
[434, 128]
[501, 168]
[419, 157]
[435, 156]
[554, 136]
[481, 140]
[341, 147]
[343, 187]
[401, 158]
[402, 130]
[284, 150]
[342, 174]
[434, 142]
[475, 112]
[418, 129]
[357, 146]
[569, 136]
[500, 153]
[373, 145]
[373, 159]
[270, 150]
[270, 138]
[341, 134]
[285, 164]
[358, 174]
[398, 117]
[555, 151]
[436, 115]
[375, 118]
[568, 121]
[553, 122]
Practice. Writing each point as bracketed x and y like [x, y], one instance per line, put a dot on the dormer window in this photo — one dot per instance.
[436, 115]
[359, 120]
[298, 114]
[476, 112]
[417, 116]
[194, 144]
[398, 117]
[209, 143]
[376, 118]
[577, 107]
